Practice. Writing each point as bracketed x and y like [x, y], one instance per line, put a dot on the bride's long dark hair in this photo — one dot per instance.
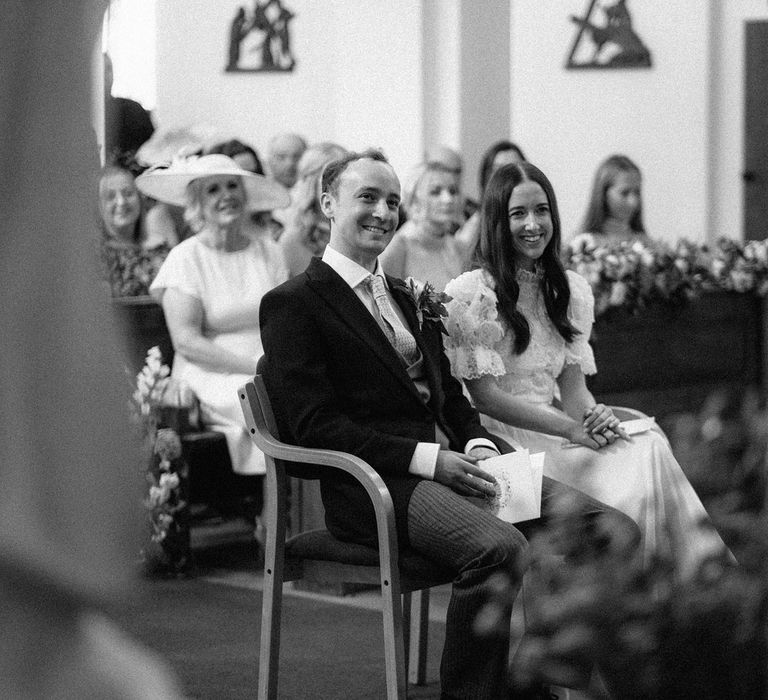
[496, 254]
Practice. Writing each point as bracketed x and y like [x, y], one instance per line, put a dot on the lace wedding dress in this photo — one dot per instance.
[641, 478]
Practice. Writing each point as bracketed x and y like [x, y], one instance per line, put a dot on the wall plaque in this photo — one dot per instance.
[607, 39]
[260, 39]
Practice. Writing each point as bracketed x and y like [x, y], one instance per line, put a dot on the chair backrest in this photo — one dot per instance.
[273, 423]
[259, 416]
[260, 421]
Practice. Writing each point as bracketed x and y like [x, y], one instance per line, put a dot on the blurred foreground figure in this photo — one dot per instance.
[69, 502]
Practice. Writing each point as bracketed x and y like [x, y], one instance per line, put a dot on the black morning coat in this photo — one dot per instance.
[336, 382]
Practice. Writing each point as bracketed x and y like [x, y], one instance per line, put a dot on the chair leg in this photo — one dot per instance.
[394, 653]
[272, 592]
[271, 608]
[407, 605]
[417, 650]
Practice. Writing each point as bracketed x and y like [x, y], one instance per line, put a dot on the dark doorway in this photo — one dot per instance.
[756, 131]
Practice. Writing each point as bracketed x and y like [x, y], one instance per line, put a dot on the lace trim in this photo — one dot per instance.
[475, 362]
[522, 275]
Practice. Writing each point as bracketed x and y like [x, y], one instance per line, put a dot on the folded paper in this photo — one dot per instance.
[518, 485]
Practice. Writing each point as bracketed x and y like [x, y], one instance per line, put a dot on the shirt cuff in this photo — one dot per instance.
[480, 442]
[424, 460]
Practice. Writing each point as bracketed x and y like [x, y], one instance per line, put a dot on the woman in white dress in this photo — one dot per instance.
[519, 327]
[211, 285]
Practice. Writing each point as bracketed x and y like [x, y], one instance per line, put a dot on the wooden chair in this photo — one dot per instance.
[321, 556]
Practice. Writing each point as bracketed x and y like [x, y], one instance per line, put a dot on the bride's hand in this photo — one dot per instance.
[600, 420]
[579, 436]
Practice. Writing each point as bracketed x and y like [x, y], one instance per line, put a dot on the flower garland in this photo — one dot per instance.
[167, 550]
[632, 275]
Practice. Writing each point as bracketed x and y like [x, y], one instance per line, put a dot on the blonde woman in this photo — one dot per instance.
[430, 246]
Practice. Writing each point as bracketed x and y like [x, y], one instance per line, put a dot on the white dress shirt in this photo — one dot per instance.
[424, 457]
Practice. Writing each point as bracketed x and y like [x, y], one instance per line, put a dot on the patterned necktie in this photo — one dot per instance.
[397, 334]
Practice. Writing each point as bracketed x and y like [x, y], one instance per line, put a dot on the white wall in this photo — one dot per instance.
[567, 121]
[358, 78]
[397, 74]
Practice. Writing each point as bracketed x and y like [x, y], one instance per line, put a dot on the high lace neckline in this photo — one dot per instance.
[526, 276]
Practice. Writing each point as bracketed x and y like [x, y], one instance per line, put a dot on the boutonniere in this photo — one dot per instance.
[429, 303]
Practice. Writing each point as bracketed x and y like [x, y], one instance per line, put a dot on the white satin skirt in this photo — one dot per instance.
[641, 478]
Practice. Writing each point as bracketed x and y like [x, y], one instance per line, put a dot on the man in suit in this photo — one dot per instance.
[350, 366]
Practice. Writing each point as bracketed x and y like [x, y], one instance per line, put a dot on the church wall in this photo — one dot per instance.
[567, 121]
[396, 74]
[357, 78]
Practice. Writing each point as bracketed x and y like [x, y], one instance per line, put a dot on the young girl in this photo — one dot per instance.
[616, 207]
[519, 327]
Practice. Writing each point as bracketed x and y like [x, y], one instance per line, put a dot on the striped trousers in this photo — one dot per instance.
[449, 529]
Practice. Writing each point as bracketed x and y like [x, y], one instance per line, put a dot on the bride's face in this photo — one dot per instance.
[530, 223]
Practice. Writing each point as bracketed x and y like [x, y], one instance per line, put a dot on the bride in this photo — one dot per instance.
[519, 327]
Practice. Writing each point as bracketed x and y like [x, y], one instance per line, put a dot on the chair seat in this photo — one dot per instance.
[321, 545]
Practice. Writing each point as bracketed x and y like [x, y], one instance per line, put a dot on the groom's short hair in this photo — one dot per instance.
[332, 172]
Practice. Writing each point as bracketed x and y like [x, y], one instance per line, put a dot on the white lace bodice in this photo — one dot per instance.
[480, 343]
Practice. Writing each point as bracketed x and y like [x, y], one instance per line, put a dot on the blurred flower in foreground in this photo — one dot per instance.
[649, 631]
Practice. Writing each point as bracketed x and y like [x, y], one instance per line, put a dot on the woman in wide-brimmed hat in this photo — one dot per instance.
[211, 285]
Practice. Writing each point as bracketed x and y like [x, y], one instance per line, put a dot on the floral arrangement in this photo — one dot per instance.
[649, 631]
[165, 471]
[429, 303]
[632, 275]
[129, 270]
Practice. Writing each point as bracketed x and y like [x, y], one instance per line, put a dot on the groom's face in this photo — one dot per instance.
[364, 210]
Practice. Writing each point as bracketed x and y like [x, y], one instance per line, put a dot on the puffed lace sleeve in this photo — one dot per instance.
[473, 326]
[581, 313]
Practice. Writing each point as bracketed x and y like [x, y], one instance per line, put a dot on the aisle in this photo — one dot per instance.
[207, 628]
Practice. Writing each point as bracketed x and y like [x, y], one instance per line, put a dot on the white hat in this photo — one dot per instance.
[169, 184]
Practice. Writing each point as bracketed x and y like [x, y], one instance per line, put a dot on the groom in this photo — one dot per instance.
[350, 366]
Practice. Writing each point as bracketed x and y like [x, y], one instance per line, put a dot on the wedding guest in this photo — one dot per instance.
[615, 209]
[127, 125]
[247, 158]
[165, 222]
[283, 153]
[303, 220]
[243, 154]
[120, 208]
[351, 368]
[129, 258]
[211, 285]
[519, 329]
[425, 247]
[452, 161]
[497, 154]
